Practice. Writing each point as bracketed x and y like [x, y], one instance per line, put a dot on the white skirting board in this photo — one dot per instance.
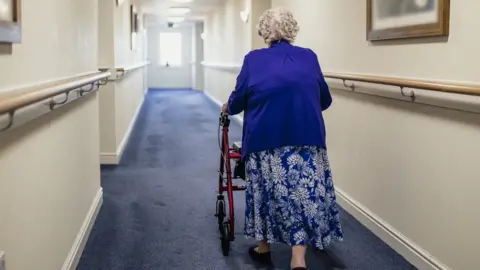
[114, 158]
[77, 249]
[396, 240]
[109, 158]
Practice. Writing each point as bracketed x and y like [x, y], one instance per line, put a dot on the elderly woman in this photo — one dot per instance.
[290, 196]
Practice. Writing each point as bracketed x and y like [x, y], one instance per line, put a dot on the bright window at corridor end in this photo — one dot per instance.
[170, 49]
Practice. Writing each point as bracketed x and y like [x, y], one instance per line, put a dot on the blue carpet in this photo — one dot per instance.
[159, 203]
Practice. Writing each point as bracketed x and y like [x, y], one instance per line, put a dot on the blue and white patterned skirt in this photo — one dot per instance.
[290, 197]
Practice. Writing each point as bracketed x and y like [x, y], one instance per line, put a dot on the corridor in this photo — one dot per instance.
[110, 144]
[159, 201]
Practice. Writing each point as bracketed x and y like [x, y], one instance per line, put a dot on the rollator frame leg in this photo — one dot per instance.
[225, 184]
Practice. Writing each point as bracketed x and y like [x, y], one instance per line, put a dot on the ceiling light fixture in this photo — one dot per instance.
[178, 10]
[176, 19]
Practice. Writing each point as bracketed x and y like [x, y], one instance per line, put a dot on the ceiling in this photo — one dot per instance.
[157, 10]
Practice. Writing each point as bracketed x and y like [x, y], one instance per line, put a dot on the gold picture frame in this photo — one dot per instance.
[401, 19]
[10, 22]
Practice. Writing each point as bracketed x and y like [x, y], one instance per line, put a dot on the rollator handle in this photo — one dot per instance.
[224, 120]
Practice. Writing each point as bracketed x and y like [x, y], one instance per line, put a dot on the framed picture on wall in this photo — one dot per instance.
[10, 27]
[400, 19]
[133, 19]
[133, 26]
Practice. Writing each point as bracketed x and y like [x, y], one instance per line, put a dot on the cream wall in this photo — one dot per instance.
[336, 30]
[258, 7]
[106, 59]
[49, 173]
[413, 166]
[227, 40]
[121, 100]
[108, 133]
[197, 57]
[130, 90]
[124, 55]
[129, 94]
[407, 171]
[106, 33]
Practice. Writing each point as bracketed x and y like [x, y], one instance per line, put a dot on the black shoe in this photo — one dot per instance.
[264, 258]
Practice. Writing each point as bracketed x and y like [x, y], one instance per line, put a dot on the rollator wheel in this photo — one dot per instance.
[220, 213]
[225, 238]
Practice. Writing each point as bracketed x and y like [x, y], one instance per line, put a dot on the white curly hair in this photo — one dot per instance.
[277, 24]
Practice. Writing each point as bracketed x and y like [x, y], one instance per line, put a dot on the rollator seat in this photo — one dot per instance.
[237, 147]
[239, 170]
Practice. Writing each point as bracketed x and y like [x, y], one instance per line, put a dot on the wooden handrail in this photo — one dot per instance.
[232, 67]
[407, 83]
[132, 67]
[14, 100]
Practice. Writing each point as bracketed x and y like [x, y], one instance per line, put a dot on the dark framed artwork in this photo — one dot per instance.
[400, 19]
[10, 26]
[133, 26]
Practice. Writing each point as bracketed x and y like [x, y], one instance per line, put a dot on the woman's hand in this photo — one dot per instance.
[224, 109]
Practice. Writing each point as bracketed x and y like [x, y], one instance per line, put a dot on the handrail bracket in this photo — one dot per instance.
[103, 82]
[350, 86]
[10, 121]
[54, 103]
[411, 95]
[122, 73]
[82, 91]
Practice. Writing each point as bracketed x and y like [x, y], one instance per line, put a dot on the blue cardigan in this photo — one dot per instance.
[282, 92]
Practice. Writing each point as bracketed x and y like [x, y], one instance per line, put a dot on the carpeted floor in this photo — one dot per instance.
[159, 203]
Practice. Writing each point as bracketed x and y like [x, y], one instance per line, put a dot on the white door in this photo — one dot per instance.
[170, 53]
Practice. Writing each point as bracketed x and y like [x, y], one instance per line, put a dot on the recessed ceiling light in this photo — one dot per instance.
[178, 10]
[176, 19]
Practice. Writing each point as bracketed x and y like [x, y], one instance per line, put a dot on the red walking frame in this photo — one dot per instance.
[225, 183]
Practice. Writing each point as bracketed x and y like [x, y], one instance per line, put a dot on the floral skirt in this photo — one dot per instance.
[290, 197]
